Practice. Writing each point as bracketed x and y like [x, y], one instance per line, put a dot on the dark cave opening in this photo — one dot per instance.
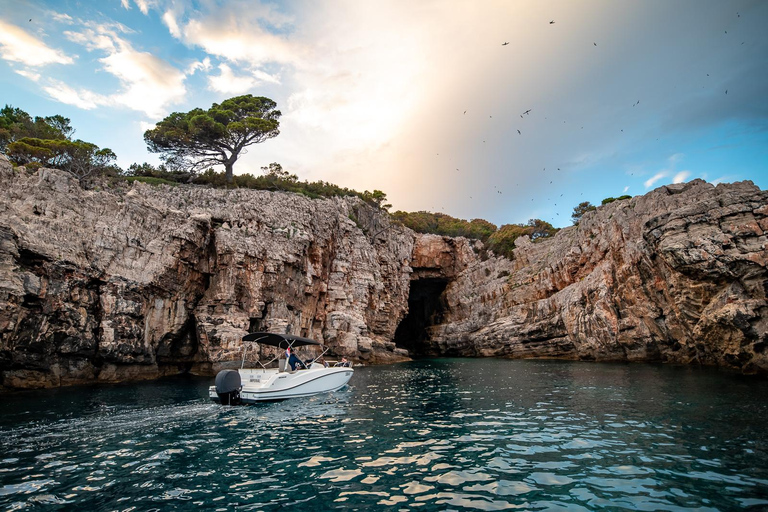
[425, 309]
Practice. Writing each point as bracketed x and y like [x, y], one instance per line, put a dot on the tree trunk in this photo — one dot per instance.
[228, 171]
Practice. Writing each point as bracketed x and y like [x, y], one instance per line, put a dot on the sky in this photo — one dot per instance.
[505, 110]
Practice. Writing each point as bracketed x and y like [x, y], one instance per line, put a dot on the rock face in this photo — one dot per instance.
[678, 275]
[141, 281]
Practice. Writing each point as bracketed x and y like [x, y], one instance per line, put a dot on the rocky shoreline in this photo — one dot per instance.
[144, 281]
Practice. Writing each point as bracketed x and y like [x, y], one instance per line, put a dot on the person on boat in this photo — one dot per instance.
[344, 362]
[293, 360]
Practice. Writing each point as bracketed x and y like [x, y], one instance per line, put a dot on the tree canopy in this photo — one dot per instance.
[16, 124]
[580, 210]
[442, 224]
[81, 158]
[47, 142]
[199, 139]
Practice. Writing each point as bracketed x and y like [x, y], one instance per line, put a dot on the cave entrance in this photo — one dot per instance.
[425, 309]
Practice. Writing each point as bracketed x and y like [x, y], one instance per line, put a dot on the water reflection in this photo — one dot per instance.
[434, 434]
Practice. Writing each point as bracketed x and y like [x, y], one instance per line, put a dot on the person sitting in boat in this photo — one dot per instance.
[343, 362]
[293, 360]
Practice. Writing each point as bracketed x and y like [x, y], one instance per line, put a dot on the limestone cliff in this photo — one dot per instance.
[141, 281]
[144, 281]
[677, 275]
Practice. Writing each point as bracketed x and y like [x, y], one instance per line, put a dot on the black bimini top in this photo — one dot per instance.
[279, 340]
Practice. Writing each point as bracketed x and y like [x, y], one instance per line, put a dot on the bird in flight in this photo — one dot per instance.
[518, 132]
[552, 22]
[594, 44]
[726, 91]
[465, 112]
[505, 43]
[527, 112]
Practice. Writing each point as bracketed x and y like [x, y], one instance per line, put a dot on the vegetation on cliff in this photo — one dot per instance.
[47, 142]
[500, 240]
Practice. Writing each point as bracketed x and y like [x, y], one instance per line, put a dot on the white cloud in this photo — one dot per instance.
[144, 5]
[668, 170]
[204, 65]
[656, 177]
[626, 188]
[681, 176]
[144, 126]
[35, 77]
[229, 83]
[170, 21]
[81, 98]
[18, 46]
[149, 83]
[61, 17]
[236, 32]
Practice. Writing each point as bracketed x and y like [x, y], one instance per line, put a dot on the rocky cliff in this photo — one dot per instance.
[142, 281]
[677, 275]
[139, 282]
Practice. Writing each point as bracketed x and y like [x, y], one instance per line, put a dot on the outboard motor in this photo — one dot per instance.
[228, 387]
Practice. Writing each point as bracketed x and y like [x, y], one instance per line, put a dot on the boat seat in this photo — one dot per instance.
[282, 365]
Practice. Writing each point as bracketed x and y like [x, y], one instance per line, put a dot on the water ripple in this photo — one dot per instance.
[459, 434]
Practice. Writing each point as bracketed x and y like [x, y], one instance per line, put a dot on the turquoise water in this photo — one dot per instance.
[444, 434]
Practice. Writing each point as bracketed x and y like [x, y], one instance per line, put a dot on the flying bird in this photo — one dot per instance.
[552, 22]
[527, 112]
[594, 44]
[726, 91]
[505, 43]
[465, 111]
[518, 132]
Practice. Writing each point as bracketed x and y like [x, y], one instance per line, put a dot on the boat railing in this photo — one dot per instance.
[280, 355]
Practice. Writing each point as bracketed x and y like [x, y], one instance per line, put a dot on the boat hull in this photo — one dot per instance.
[266, 385]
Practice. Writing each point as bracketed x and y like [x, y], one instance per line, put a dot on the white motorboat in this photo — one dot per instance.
[251, 385]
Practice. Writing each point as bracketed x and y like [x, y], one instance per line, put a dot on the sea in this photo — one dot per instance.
[432, 434]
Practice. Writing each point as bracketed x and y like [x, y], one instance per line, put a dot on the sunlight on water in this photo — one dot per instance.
[432, 435]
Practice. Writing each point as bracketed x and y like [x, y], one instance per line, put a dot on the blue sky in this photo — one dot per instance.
[421, 99]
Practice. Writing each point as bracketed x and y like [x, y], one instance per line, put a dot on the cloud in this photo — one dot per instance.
[626, 188]
[144, 5]
[17, 45]
[242, 32]
[61, 17]
[170, 21]
[656, 177]
[229, 83]
[81, 98]
[681, 176]
[149, 84]
[672, 161]
[204, 65]
[35, 77]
